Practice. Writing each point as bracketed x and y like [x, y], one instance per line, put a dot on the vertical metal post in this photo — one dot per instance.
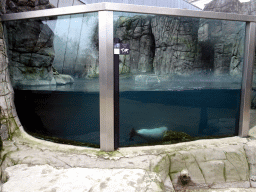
[249, 54]
[106, 78]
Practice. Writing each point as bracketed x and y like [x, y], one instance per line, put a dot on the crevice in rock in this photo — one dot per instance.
[233, 165]
[224, 173]
[199, 168]
[63, 161]
[207, 55]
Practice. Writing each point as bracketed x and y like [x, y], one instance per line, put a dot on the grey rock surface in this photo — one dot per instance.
[176, 47]
[137, 32]
[47, 178]
[30, 48]
[13, 6]
[229, 6]
[210, 164]
[225, 38]
[223, 43]
[154, 48]
[235, 57]
[31, 54]
[7, 108]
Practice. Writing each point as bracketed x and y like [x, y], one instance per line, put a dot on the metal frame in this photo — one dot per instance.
[106, 78]
[109, 73]
[249, 55]
[127, 8]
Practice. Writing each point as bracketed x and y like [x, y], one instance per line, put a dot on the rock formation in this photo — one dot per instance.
[235, 6]
[30, 45]
[228, 6]
[14, 6]
[223, 43]
[137, 32]
[176, 47]
[232, 6]
[159, 44]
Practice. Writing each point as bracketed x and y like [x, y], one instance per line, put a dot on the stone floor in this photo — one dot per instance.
[224, 165]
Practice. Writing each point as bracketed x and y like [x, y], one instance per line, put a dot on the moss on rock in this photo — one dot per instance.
[176, 136]
[1, 144]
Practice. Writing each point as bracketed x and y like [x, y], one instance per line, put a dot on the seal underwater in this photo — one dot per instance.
[155, 134]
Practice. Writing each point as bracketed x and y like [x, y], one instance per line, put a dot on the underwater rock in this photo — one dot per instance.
[155, 134]
[62, 79]
[175, 136]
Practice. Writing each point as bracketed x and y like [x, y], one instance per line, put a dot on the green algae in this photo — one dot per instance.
[107, 154]
[12, 123]
[173, 137]
[1, 144]
[176, 136]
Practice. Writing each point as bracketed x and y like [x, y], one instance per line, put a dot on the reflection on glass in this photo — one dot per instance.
[252, 130]
[181, 80]
[53, 62]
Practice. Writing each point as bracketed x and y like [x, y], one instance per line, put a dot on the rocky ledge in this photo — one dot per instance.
[202, 164]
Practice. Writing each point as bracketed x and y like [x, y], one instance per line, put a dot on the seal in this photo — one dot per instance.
[155, 134]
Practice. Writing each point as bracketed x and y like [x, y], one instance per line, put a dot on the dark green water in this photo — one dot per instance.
[75, 115]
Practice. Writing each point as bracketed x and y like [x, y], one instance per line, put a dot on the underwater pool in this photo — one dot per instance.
[74, 115]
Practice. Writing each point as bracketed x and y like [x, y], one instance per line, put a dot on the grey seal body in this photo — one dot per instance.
[155, 134]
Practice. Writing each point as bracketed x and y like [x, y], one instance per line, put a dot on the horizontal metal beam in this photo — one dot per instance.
[55, 12]
[177, 12]
[128, 8]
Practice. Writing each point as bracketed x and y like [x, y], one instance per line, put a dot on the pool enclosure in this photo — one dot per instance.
[115, 75]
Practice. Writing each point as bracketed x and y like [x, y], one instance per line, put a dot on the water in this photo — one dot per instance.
[205, 112]
[72, 111]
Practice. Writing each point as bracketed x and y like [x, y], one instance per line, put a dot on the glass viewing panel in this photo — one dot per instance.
[253, 104]
[54, 70]
[181, 80]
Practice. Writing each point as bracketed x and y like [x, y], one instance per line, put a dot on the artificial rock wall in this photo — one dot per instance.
[8, 114]
[232, 6]
[176, 45]
[9, 121]
[159, 44]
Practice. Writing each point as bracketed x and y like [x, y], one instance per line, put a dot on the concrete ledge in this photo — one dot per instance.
[202, 164]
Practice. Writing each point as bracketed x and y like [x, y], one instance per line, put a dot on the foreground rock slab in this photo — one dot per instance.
[204, 164]
[46, 178]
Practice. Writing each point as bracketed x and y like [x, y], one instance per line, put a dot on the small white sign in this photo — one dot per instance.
[117, 48]
[116, 51]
